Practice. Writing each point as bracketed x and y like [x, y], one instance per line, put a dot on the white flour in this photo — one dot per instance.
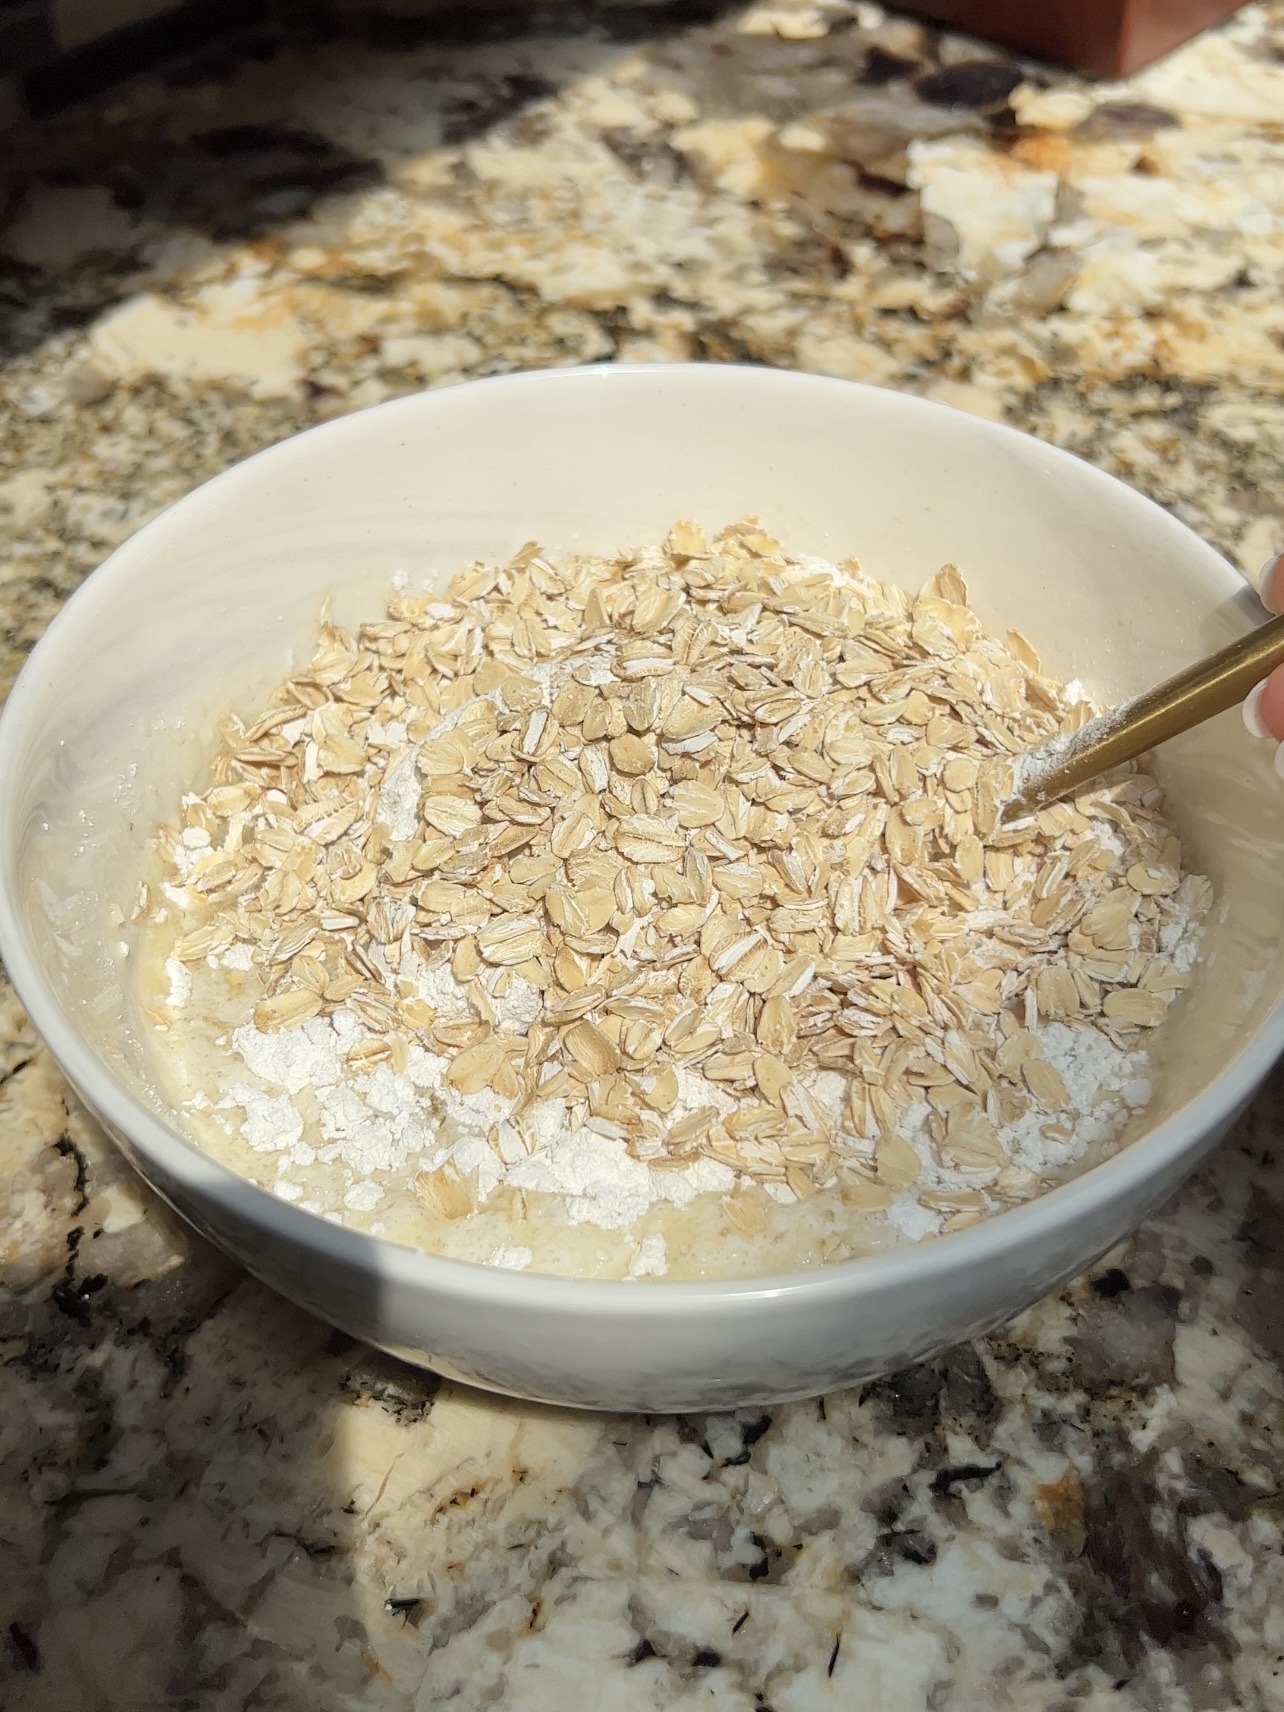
[1182, 937]
[378, 1128]
[605, 1185]
[512, 1258]
[382, 1121]
[650, 1261]
[399, 798]
[374, 1130]
[180, 984]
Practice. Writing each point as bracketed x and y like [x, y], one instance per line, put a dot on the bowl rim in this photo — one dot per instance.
[400, 1266]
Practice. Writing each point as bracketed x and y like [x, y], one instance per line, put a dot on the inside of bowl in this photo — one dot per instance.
[207, 608]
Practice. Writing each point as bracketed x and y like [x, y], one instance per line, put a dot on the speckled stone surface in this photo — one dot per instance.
[210, 1501]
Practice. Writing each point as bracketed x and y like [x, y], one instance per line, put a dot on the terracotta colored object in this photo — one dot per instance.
[1110, 37]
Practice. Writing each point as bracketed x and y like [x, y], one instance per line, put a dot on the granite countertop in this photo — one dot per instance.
[211, 1501]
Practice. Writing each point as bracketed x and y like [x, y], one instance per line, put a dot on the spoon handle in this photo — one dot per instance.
[1064, 763]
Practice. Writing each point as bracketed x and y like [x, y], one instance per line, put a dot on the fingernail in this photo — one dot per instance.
[1253, 713]
[1266, 582]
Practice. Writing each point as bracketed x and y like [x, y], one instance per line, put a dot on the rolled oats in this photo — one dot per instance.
[726, 813]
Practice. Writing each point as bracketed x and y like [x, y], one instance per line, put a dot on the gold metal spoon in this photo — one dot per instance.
[1056, 768]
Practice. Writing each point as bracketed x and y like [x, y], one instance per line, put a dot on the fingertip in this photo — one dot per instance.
[1252, 711]
[1270, 706]
[1270, 584]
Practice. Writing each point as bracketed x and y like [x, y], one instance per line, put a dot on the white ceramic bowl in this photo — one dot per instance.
[112, 716]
